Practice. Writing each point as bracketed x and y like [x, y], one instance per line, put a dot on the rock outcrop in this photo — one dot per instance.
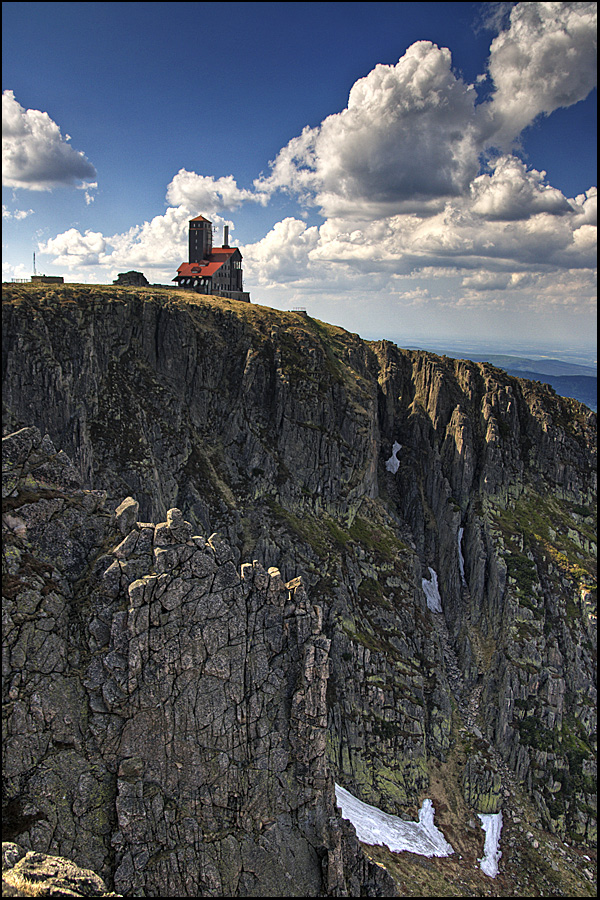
[166, 715]
[358, 468]
[31, 874]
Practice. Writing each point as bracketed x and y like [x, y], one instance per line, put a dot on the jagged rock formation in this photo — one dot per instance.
[514, 467]
[276, 431]
[165, 713]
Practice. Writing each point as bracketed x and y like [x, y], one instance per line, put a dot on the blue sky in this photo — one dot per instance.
[411, 171]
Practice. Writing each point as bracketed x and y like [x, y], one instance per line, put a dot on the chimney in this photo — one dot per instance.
[226, 235]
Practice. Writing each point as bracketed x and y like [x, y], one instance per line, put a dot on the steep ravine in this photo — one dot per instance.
[274, 429]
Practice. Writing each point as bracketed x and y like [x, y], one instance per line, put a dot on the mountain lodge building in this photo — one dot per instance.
[211, 270]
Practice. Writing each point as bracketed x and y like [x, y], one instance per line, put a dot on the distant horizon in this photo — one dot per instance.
[537, 352]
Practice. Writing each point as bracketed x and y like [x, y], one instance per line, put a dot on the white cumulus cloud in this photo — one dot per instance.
[283, 255]
[71, 248]
[586, 206]
[544, 60]
[158, 243]
[408, 136]
[35, 156]
[203, 192]
[501, 231]
[512, 192]
[412, 135]
[487, 281]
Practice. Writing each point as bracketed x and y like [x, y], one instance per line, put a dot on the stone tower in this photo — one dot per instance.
[200, 237]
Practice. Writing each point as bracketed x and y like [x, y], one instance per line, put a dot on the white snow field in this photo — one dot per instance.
[393, 463]
[373, 826]
[432, 592]
[492, 825]
[461, 559]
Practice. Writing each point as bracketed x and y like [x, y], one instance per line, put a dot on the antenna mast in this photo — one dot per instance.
[34, 272]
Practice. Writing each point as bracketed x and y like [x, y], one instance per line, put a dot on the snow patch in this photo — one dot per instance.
[432, 592]
[373, 826]
[393, 463]
[461, 559]
[492, 825]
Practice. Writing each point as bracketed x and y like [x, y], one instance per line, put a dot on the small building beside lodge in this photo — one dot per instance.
[47, 279]
[211, 270]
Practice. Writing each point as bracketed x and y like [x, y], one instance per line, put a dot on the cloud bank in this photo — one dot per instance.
[416, 178]
[415, 173]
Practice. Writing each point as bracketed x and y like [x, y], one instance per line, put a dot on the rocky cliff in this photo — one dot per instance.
[165, 712]
[176, 713]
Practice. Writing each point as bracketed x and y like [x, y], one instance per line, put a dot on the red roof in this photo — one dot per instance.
[201, 219]
[207, 268]
[195, 270]
[222, 251]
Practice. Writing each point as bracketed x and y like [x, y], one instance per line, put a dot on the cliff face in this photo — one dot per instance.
[358, 466]
[507, 481]
[240, 400]
[165, 712]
